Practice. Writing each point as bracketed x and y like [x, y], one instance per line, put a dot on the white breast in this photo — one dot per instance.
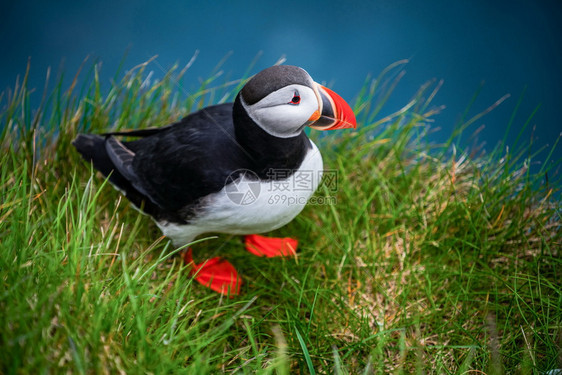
[248, 206]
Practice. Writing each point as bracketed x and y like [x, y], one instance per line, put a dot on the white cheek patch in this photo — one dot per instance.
[276, 116]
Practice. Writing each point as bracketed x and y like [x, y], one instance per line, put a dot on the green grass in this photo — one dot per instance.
[432, 260]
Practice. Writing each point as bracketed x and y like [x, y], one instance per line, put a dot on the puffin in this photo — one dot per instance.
[242, 168]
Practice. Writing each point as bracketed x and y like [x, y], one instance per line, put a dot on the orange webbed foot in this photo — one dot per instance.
[271, 246]
[216, 273]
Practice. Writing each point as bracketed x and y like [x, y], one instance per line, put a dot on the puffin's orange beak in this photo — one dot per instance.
[335, 112]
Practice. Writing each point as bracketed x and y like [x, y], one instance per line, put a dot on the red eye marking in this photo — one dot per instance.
[296, 99]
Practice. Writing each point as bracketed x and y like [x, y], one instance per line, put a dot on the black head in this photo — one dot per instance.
[283, 99]
[273, 79]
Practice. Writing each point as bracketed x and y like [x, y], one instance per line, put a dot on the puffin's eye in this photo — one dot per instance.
[296, 98]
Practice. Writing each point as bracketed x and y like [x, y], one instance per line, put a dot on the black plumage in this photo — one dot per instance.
[167, 171]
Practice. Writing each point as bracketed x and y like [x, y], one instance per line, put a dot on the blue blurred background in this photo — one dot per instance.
[508, 45]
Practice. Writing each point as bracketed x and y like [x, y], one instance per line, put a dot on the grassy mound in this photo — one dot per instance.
[413, 258]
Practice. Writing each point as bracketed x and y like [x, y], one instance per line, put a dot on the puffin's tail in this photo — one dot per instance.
[93, 149]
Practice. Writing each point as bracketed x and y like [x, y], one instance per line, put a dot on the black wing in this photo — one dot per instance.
[169, 169]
